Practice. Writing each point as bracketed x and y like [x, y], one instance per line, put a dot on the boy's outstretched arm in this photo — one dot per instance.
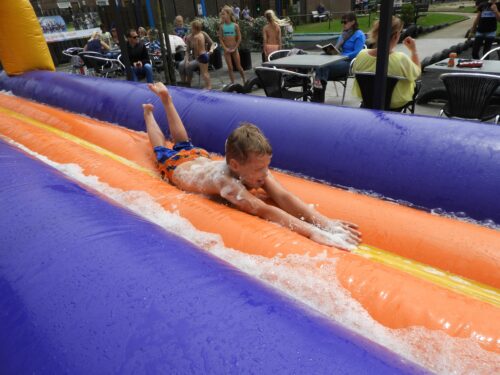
[299, 209]
[238, 195]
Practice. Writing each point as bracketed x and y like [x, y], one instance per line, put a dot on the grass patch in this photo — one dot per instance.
[432, 19]
[322, 27]
[463, 9]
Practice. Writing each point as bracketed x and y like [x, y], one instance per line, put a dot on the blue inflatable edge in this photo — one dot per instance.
[427, 162]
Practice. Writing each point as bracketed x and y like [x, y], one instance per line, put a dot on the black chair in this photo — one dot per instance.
[100, 65]
[366, 82]
[272, 80]
[469, 96]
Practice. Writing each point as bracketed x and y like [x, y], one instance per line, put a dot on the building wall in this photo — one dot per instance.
[187, 8]
[336, 7]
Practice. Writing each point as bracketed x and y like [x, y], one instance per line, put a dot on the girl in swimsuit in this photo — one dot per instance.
[271, 33]
[230, 38]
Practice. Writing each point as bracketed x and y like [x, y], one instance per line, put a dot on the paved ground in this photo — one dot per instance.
[427, 45]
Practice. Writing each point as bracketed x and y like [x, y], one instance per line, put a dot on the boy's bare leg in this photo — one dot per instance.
[155, 134]
[206, 76]
[177, 129]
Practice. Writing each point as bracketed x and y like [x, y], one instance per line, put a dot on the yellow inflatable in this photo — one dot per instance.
[22, 44]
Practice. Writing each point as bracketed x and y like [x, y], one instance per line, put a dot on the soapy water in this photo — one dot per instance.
[311, 280]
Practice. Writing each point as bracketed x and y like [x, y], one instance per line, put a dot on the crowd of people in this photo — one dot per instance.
[194, 47]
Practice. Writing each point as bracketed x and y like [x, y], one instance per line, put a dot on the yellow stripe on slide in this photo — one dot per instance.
[441, 278]
[82, 142]
[436, 276]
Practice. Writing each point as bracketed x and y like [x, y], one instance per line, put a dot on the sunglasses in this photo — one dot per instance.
[134, 37]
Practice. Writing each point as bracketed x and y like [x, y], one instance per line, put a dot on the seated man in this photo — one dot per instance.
[322, 10]
[139, 57]
[248, 155]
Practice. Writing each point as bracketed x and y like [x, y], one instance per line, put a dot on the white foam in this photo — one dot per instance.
[312, 281]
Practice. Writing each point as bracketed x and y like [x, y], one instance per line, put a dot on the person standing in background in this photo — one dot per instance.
[230, 39]
[485, 27]
[271, 33]
[246, 14]
[236, 10]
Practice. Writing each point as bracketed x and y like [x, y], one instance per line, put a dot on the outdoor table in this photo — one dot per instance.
[304, 61]
[489, 67]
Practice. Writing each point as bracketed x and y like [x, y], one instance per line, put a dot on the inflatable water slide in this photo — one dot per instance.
[106, 268]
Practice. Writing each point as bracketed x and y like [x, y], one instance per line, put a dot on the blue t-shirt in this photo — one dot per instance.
[352, 46]
[181, 31]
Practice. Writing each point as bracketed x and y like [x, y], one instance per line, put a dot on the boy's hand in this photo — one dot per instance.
[339, 240]
[335, 226]
[347, 230]
[159, 89]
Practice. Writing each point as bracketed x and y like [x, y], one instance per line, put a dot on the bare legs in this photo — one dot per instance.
[229, 62]
[205, 75]
[176, 127]
[155, 134]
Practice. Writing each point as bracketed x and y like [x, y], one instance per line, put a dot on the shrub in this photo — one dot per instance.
[408, 14]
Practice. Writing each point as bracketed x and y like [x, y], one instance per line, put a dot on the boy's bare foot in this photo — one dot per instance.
[148, 108]
[159, 89]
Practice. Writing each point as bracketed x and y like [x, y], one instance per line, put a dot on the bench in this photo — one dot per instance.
[317, 17]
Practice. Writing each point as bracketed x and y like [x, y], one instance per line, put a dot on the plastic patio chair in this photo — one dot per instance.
[272, 81]
[278, 54]
[469, 96]
[77, 64]
[96, 63]
[101, 65]
[366, 82]
[486, 55]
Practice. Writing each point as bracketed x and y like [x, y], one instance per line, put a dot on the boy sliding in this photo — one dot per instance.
[248, 155]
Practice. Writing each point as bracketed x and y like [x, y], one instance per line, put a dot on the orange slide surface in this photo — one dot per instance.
[123, 159]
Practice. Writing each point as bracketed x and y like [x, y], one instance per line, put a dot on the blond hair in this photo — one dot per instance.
[229, 10]
[95, 35]
[396, 27]
[196, 25]
[272, 18]
[245, 140]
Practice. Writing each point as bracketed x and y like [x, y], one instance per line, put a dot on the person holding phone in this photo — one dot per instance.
[139, 57]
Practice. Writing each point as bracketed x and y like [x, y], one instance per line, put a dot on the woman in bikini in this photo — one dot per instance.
[271, 33]
[230, 38]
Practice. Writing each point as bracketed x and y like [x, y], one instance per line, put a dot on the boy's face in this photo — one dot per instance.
[253, 172]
